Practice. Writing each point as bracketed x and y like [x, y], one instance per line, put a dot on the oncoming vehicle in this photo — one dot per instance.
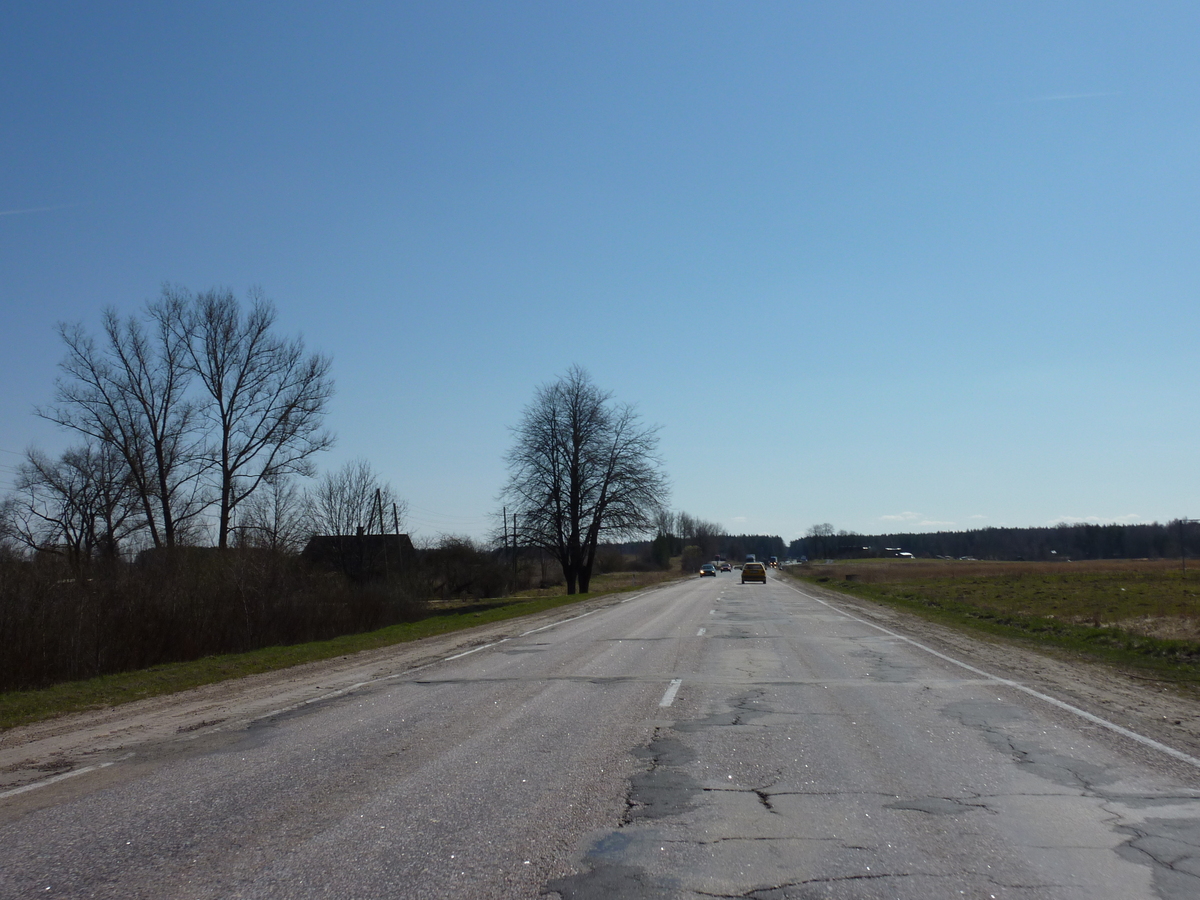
[708, 569]
[754, 571]
[725, 566]
[774, 562]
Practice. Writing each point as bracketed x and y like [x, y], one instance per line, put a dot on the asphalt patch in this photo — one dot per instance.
[664, 789]
[1171, 847]
[989, 716]
[934, 806]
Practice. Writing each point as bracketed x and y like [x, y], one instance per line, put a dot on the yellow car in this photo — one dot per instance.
[754, 571]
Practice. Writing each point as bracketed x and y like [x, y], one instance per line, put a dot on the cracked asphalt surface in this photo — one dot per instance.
[809, 750]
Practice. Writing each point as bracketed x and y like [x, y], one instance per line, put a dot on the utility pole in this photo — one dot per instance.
[382, 536]
[396, 526]
[1182, 551]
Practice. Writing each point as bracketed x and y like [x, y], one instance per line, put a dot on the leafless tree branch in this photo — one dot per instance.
[582, 468]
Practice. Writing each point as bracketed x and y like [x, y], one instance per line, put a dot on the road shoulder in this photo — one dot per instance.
[1154, 709]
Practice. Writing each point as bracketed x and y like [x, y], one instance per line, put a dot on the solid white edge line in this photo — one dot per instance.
[556, 624]
[25, 788]
[472, 650]
[49, 781]
[1008, 682]
[669, 697]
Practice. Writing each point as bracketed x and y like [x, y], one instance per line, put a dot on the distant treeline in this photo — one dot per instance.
[736, 547]
[1082, 541]
[705, 546]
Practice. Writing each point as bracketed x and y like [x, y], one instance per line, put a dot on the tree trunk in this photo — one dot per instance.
[223, 526]
[587, 561]
[226, 501]
[164, 500]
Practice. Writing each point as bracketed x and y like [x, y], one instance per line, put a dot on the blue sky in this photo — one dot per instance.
[892, 266]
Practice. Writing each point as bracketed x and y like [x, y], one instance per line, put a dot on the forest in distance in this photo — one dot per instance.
[1179, 539]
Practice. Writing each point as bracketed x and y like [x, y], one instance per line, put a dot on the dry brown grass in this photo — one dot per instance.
[903, 570]
[1061, 601]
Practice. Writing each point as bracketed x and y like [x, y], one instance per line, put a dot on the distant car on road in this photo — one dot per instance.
[754, 571]
[725, 566]
[708, 569]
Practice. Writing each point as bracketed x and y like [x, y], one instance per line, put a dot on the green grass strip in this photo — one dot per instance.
[23, 707]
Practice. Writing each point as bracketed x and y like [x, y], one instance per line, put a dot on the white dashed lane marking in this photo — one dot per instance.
[669, 696]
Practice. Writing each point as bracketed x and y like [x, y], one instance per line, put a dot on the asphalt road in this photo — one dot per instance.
[706, 739]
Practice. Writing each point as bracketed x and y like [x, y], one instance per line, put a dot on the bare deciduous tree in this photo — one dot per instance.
[822, 533]
[202, 402]
[82, 503]
[666, 522]
[705, 535]
[130, 394]
[265, 396]
[354, 500]
[276, 516]
[582, 468]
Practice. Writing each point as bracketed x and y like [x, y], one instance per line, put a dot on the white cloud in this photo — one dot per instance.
[17, 212]
[913, 518]
[902, 517]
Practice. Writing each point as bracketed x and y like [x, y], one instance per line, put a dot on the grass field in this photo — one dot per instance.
[1142, 614]
[22, 707]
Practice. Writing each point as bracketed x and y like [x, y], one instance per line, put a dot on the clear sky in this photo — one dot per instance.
[891, 266]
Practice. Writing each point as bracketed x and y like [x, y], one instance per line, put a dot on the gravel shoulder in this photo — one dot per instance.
[1152, 708]
[71, 744]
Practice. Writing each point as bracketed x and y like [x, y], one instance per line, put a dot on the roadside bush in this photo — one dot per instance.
[609, 559]
[550, 576]
[175, 606]
[692, 560]
[458, 568]
[62, 622]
